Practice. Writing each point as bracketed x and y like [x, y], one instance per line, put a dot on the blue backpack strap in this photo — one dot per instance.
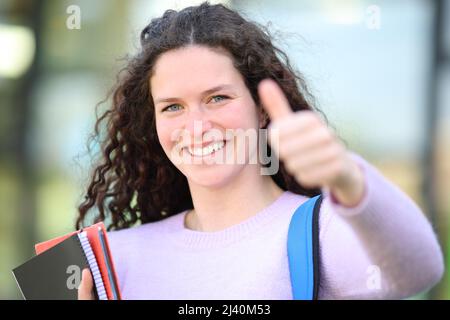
[303, 250]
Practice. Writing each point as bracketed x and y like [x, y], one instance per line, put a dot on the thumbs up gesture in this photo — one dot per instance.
[309, 149]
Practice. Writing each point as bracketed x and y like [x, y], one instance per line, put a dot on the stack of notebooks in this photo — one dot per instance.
[55, 272]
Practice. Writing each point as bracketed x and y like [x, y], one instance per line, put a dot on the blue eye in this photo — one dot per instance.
[172, 105]
[219, 96]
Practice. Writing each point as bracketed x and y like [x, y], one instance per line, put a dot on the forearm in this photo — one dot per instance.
[386, 230]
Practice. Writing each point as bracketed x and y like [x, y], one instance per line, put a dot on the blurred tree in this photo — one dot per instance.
[429, 153]
[32, 14]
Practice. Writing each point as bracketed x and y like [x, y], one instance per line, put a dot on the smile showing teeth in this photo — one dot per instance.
[201, 152]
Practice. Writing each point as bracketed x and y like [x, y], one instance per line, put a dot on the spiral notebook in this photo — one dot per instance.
[55, 272]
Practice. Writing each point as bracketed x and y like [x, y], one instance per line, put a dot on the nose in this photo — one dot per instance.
[197, 123]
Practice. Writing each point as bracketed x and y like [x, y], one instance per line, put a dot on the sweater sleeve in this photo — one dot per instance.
[382, 248]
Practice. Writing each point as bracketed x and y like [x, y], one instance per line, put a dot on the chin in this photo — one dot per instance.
[212, 177]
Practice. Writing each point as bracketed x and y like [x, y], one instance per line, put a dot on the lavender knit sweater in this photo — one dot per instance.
[384, 248]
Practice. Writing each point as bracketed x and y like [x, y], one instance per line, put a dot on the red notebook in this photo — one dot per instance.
[98, 241]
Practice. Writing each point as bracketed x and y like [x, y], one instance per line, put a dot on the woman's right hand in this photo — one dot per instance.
[86, 288]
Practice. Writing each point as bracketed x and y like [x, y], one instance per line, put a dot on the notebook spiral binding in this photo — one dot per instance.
[92, 261]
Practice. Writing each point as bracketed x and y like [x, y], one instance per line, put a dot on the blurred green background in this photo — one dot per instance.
[379, 69]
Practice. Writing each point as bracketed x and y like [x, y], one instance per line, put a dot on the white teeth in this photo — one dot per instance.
[201, 152]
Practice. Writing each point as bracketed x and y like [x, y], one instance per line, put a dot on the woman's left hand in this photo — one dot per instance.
[309, 149]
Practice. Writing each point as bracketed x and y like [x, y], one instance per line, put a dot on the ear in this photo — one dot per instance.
[263, 117]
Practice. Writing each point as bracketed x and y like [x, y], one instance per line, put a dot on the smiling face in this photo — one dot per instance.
[201, 100]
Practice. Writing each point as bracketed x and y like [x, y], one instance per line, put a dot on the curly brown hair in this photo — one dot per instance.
[134, 178]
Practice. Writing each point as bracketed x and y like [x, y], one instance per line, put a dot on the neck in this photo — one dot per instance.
[218, 208]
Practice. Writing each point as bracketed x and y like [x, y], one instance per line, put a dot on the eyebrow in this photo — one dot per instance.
[204, 93]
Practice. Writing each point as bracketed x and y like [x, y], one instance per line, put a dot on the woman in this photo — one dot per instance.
[215, 229]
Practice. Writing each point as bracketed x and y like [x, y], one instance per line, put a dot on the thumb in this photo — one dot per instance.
[273, 99]
[85, 290]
